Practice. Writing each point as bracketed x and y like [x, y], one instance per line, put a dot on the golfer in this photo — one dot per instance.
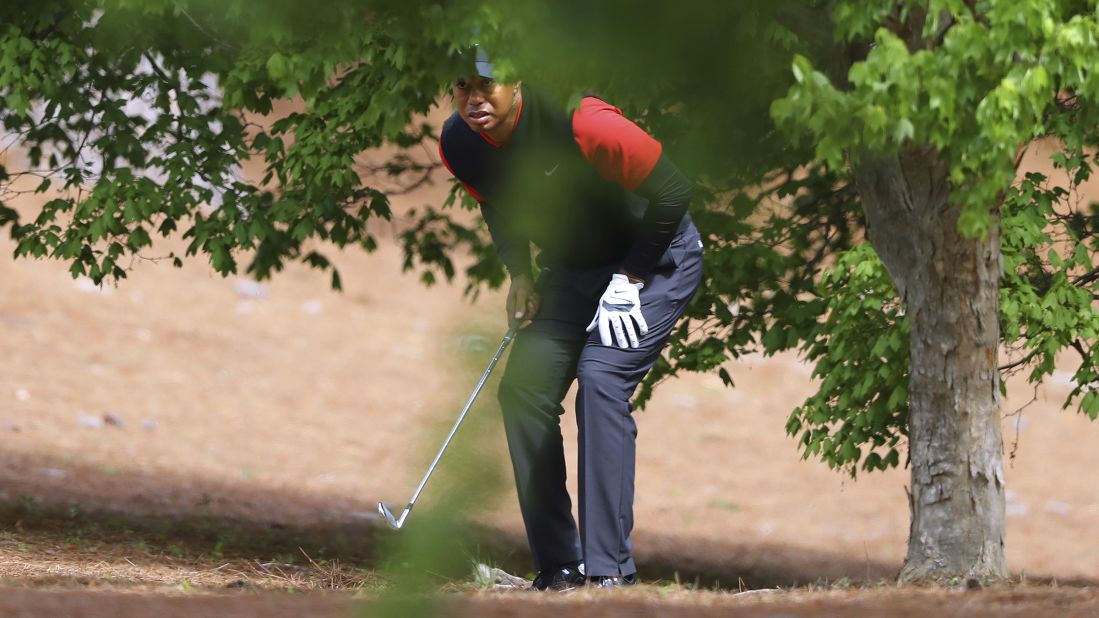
[618, 259]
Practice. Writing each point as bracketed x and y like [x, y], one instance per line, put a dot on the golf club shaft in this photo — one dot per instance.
[484, 378]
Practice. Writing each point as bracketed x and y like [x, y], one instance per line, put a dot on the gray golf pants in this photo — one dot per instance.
[547, 356]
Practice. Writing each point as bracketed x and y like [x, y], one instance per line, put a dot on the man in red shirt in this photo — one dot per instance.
[619, 259]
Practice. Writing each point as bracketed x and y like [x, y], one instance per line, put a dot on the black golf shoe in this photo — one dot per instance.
[613, 581]
[561, 579]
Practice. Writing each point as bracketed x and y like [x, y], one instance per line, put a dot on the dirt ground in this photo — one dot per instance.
[1029, 603]
[190, 445]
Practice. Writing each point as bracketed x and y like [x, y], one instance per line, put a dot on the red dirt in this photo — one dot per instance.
[907, 603]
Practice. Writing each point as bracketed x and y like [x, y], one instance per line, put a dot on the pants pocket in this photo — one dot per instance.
[682, 248]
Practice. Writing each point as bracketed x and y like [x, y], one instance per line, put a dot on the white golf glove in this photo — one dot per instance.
[618, 309]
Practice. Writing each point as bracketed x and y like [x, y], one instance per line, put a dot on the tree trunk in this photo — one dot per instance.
[950, 285]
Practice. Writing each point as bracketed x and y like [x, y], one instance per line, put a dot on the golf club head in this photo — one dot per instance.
[388, 515]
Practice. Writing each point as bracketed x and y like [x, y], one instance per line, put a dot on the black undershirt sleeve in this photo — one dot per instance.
[669, 193]
[514, 250]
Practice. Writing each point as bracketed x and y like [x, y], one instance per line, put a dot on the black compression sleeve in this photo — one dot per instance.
[669, 193]
[514, 250]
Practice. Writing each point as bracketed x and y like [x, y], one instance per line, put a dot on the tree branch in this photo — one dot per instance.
[206, 32]
[156, 67]
[1019, 154]
[1086, 278]
[1019, 363]
[1079, 347]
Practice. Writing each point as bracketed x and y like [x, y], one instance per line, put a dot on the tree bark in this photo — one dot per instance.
[950, 285]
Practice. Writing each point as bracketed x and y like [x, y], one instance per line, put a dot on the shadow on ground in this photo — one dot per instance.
[122, 513]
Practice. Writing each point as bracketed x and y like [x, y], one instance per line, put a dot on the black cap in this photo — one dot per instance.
[484, 67]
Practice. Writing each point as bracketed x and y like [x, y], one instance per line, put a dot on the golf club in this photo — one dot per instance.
[397, 522]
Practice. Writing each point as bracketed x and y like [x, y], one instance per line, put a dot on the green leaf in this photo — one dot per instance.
[904, 130]
[277, 66]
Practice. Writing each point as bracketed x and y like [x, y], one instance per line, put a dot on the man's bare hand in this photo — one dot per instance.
[522, 303]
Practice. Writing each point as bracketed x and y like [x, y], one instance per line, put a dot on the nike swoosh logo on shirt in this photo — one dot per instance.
[552, 170]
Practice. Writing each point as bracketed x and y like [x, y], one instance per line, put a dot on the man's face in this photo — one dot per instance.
[483, 103]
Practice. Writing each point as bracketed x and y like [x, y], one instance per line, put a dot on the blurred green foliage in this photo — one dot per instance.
[438, 542]
[766, 104]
